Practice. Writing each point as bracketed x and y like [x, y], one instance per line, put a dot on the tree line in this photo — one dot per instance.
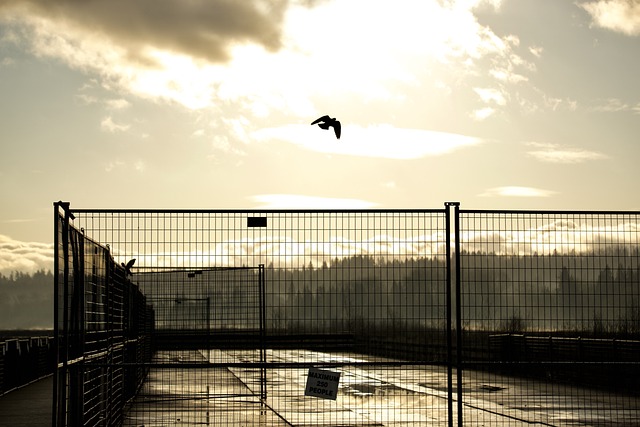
[26, 300]
[596, 293]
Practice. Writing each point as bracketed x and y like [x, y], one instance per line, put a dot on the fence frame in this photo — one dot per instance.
[453, 288]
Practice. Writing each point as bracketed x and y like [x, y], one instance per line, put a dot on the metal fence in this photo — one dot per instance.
[535, 319]
[103, 329]
[550, 316]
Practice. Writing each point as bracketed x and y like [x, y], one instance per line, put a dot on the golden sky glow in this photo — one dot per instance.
[502, 104]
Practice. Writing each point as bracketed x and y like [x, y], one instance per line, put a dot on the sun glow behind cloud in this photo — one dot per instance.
[394, 75]
[312, 62]
[383, 141]
[516, 191]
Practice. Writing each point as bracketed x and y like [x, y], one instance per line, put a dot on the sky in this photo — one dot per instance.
[207, 104]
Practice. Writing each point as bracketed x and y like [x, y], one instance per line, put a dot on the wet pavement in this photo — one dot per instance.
[368, 395]
[28, 406]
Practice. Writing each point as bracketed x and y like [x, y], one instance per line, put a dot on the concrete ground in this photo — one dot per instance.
[29, 406]
[367, 396]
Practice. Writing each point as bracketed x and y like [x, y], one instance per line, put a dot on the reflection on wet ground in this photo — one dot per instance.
[388, 395]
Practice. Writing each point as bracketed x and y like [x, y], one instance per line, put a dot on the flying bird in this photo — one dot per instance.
[127, 268]
[325, 122]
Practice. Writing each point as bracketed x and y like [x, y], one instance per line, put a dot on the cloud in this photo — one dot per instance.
[622, 16]
[118, 165]
[203, 29]
[111, 166]
[563, 236]
[26, 257]
[382, 141]
[117, 104]
[556, 154]
[296, 201]
[261, 55]
[7, 62]
[109, 125]
[612, 105]
[615, 105]
[483, 113]
[140, 166]
[515, 191]
[536, 51]
[490, 95]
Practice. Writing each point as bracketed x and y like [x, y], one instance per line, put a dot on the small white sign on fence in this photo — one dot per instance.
[323, 384]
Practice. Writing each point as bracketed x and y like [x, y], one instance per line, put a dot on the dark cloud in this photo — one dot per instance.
[200, 28]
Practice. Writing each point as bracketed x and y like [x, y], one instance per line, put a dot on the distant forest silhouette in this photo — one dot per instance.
[26, 300]
[591, 294]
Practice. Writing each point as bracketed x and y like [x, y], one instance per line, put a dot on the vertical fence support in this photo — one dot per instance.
[61, 377]
[263, 340]
[56, 333]
[449, 315]
[459, 361]
[453, 267]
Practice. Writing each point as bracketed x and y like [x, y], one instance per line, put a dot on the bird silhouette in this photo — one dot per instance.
[325, 122]
[127, 268]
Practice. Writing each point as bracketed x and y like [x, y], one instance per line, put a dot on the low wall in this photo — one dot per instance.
[602, 363]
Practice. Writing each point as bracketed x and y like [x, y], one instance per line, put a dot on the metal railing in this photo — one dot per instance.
[24, 360]
[103, 329]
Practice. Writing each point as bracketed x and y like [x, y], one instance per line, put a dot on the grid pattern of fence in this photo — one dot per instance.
[342, 290]
[102, 330]
[532, 320]
[550, 312]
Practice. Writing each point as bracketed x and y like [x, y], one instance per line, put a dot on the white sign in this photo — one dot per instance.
[323, 384]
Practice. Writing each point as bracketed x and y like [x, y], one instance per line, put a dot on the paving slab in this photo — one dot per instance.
[389, 395]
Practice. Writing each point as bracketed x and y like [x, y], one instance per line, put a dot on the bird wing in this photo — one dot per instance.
[321, 119]
[337, 128]
[130, 263]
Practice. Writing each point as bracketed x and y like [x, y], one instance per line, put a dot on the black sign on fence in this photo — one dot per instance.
[257, 221]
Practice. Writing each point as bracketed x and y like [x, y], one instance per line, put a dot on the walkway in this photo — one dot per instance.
[30, 405]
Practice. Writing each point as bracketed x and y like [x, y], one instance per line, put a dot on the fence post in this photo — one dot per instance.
[450, 359]
[459, 361]
[61, 377]
[56, 335]
[263, 327]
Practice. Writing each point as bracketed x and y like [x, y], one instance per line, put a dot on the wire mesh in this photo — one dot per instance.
[246, 302]
[544, 314]
[550, 314]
